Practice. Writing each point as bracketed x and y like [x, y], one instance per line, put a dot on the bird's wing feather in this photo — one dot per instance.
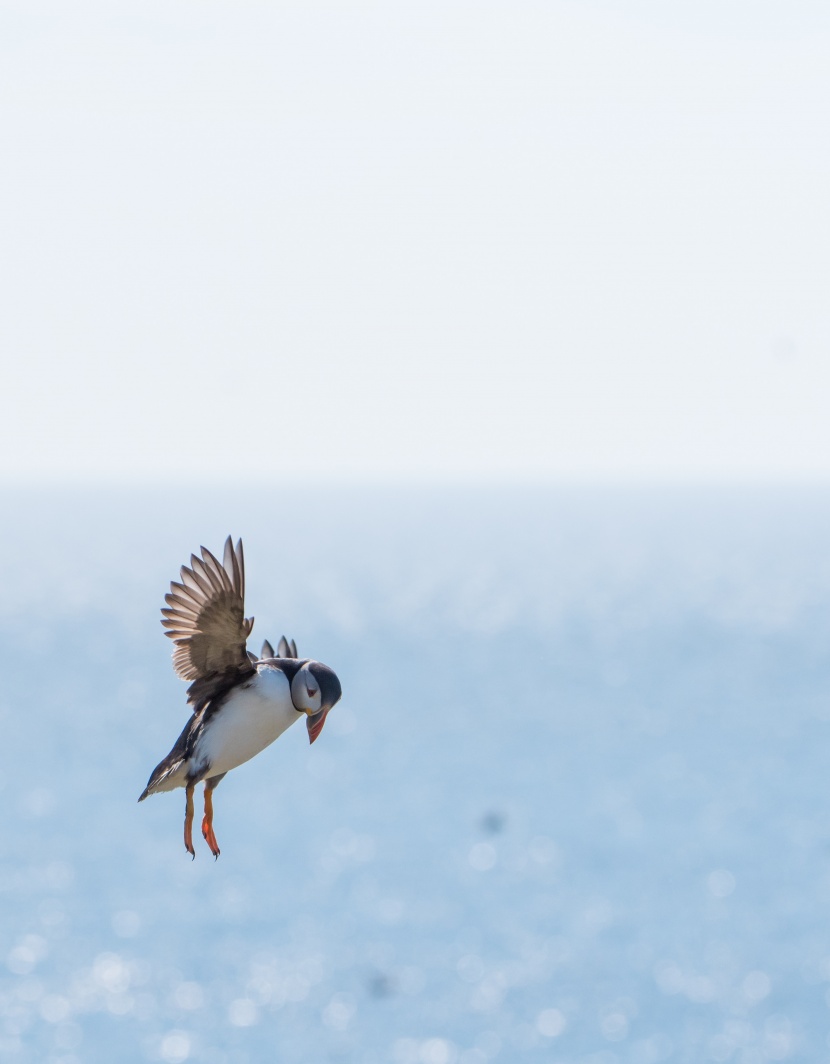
[205, 619]
[286, 649]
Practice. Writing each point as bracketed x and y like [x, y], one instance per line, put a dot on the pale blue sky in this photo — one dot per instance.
[540, 240]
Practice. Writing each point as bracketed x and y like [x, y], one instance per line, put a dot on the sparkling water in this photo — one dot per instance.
[573, 805]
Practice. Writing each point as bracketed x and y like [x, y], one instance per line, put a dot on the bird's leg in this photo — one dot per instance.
[188, 820]
[207, 821]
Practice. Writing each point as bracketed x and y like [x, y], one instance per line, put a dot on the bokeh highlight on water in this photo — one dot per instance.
[572, 807]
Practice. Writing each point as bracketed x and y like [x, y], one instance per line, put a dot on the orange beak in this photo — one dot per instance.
[314, 723]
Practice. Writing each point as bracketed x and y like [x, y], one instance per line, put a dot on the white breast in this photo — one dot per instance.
[251, 719]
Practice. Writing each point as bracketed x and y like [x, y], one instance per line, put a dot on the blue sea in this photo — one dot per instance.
[573, 807]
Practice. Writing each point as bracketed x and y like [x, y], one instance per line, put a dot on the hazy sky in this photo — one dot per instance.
[413, 240]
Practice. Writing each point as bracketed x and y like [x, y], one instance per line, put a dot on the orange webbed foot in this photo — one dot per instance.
[188, 821]
[207, 822]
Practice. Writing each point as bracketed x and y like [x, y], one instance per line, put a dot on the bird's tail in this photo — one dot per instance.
[167, 775]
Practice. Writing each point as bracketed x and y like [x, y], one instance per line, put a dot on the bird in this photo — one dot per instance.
[240, 702]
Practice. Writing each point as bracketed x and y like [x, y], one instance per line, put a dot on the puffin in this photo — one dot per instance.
[240, 702]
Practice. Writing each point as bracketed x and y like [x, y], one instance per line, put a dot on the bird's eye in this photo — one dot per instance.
[312, 691]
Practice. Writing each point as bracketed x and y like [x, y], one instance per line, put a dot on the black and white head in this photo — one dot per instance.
[315, 687]
[314, 690]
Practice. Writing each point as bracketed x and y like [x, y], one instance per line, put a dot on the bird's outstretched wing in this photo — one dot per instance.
[284, 650]
[205, 619]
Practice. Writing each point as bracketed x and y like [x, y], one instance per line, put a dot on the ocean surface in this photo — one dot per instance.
[573, 807]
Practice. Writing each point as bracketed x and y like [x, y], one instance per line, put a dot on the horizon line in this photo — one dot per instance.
[414, 482]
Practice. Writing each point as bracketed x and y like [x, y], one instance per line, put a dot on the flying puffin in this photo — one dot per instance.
[241, 703]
